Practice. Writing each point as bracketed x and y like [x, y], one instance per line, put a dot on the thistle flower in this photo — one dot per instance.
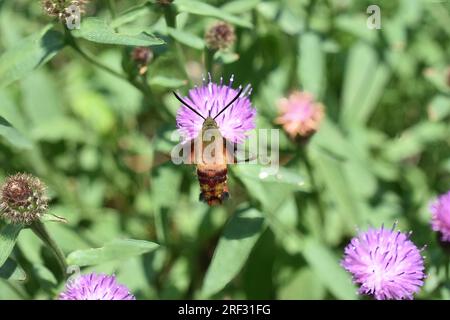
[300, 114]
[23, 199]
[220, 36]
[209, 100]
[440, 221]
[95, 287]
[58, 8]
[385, 263]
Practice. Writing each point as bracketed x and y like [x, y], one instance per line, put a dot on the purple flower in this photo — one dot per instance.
[95, 287]
[441, 216]
[385, 263]
[209, 100]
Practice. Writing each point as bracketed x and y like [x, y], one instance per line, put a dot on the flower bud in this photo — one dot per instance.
[58, 8]
[220, 36]
[142, 56]
[300, 115]
[23, 199]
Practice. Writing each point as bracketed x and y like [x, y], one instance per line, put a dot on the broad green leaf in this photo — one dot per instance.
[327, 270]
[97, 30]
[131, 15]
[439, 108]
[264, 174]
[41, 99]
[311, 64]
[12, 271]
[116, 250]
[29, 54]
[365, 80]
[332, 173]
[8, 238]
[303, 285]
[225, 57]
[239, 6]
[356, 24]
[186, 38]
[14, 137]
[204, 9]
[167, 82]
[233, 249]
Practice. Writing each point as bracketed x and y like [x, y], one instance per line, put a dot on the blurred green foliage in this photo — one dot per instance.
[99, 140]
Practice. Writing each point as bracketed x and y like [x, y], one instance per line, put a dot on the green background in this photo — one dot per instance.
[100, 144]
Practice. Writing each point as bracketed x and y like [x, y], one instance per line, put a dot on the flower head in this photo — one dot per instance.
[300, 114]
[95, 287]
[220, 36]
[385, 263]
[23, 199]
[440, 221]
[209, 100]
[61, 8]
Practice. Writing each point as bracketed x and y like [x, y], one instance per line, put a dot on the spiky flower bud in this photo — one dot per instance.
[142, 56]
[220, 36]
[23, 199]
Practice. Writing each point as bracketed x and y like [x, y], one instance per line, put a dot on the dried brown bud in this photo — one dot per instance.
[220, 36]
[59, 8]
[142, 56]
[23, 199]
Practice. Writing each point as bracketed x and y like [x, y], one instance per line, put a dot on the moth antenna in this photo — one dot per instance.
[229, 104]
[192, 109]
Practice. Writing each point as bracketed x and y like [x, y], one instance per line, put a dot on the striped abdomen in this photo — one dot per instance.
[213, 184]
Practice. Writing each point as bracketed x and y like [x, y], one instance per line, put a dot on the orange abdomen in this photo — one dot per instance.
[213, 184]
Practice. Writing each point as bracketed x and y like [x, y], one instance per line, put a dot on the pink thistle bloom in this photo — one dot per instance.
[300, 114]
[386, 264]
[95, 287]
[440, 221]
[209, 100]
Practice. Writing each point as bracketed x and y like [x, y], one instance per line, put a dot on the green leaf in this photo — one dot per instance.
[325, 266]
[239, 6]
[439, 108]
[204, 9]
[311, 64]
[97, 30]
[12, 271]
[116, 250]
[225, 57]
[8, 238]
[336, 182]
[233, 249]
[29, 54]
[167, 82]
[186, 38]
[131, 15]
[364, 83]
[14, 137]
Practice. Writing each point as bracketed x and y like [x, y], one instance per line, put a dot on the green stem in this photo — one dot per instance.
[170, 17]
[112, 8]
[75, 46]
[209, 60]
[40, 230]
[312, 179]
